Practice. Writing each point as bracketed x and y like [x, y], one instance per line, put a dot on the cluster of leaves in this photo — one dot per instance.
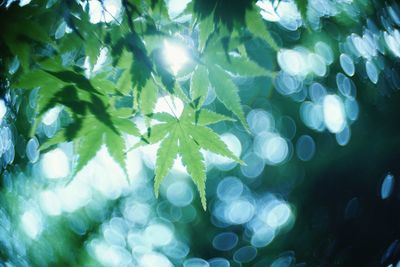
[102, 104]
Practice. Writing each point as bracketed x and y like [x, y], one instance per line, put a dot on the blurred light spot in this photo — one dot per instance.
[317, 64]
[14, 65]
[176, 250]
[134, 163]
[55, 164]
[259, 120]
[387, 186]
[230, 188]
[74, 196]
[169, 104]
[312, 115]
[24, 2]
[346, 86]
[234, 145]
[351, 107]
[287, 84]
[254, 165]
[276, 214]
[154, 259]
[285, 13]
[292, 62]
[51, 116]
[31, 221]
[284, 261]
[175, 56]
[100, 169]
[262, 236]
[111, 255]
[219, 262]
[32, 150]
[334, 115]
[239, 211]
[372, 71]
[392, 44]
[343, 137]
[113, 237]
[137, 213]
[104, 11]
[195, 262]
[3, 109]
[176, 7]
[225, 241]
[50, 203]
[324, 51]
[352, 208]
[317, 92]
[245, 254]
[305, 148]
[179, 194]
[347, 64]
[274, 149]
[158, 234]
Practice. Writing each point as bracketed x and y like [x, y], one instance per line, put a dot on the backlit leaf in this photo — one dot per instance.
[166, 155]
[227, 92]
[193, 160]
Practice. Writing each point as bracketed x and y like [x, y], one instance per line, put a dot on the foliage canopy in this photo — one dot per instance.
[108, 72]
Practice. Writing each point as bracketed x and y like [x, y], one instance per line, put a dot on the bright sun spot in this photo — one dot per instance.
[55, 164]
[175, 56]
[31, 222]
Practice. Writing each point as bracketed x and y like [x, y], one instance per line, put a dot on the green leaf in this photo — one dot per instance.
[256, 25]
[87, 148]
[124, 83]
[157, 132]
[166, 155]
[92, 49]
[207, 117]
[163, 117]
[116, 147]
[227, 92]
[148, 97]
[199, 85]
[123, 113]
[193, 160]
[126, 126]
[37, 78]
[206, 27]
[58, 138]
[103, 85]
[210, 141]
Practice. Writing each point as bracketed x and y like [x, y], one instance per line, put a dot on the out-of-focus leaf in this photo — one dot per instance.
[302, 6]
